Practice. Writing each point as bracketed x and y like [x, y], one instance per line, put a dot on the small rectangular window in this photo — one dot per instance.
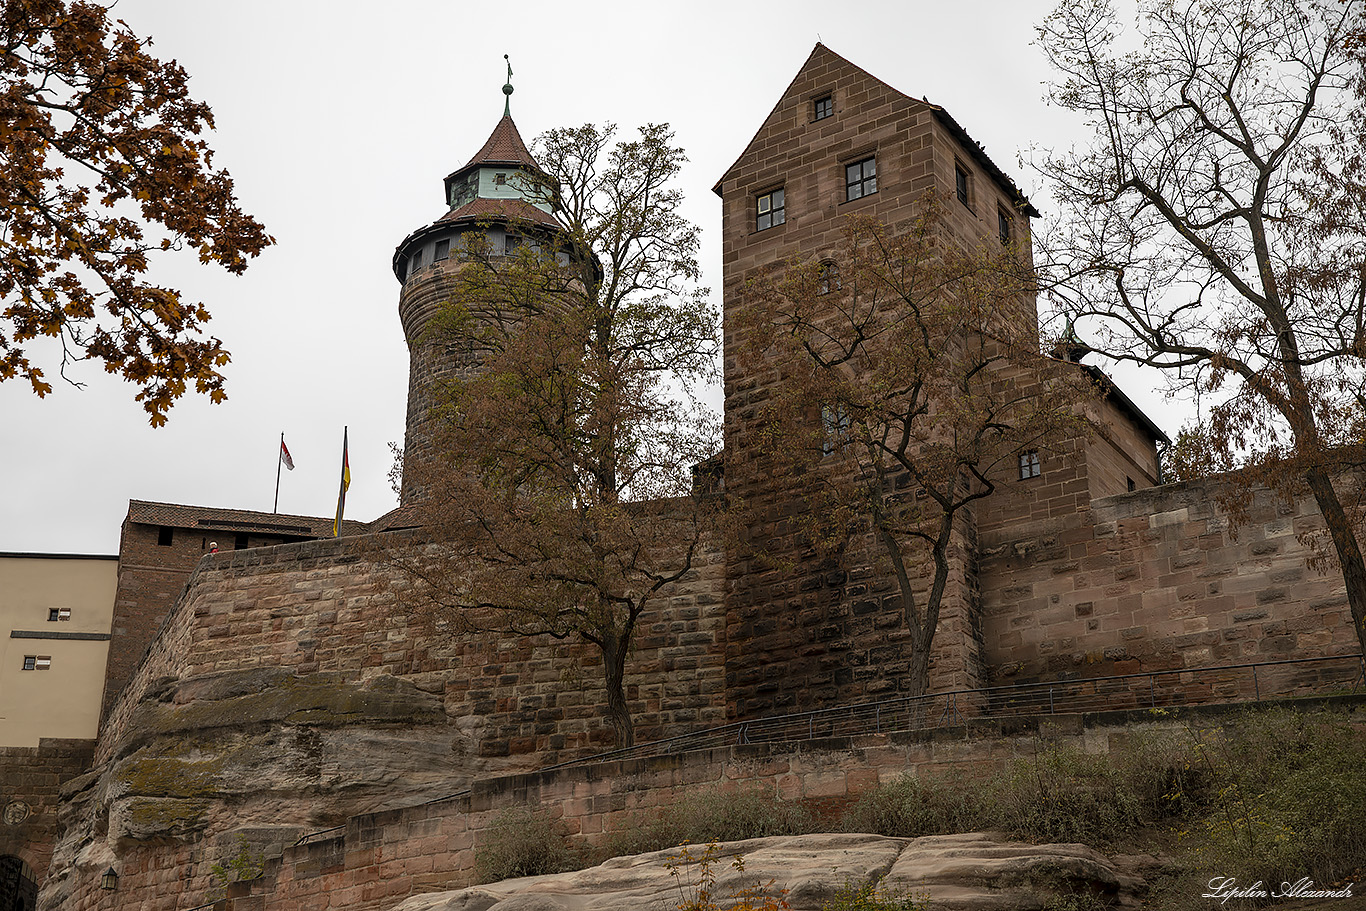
[769, 210]
[860, 179]
[30, 662]
[1029, 465]
[165, 535]
[1003, 224]
[829, 278]
[837, 423]
[58, 613]
[510, 244]
[241, 542]
[500, 179]
[43, 663]
[416, 262]
[1132, 485]
[823, 108]
[443, 250]
[52, 615]
[960, 180]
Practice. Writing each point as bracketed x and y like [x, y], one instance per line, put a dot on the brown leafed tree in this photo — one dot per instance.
[911, 382]
[102, 167]
[564, 501]
[1215, 228]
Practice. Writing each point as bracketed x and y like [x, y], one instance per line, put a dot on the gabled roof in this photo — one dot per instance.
[1125, 404]
[504, 147]
[821, 56]
[177, 515]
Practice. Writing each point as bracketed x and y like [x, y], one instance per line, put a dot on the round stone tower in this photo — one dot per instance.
[492, 195]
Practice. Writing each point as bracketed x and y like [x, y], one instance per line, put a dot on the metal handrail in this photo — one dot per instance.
[318, 835]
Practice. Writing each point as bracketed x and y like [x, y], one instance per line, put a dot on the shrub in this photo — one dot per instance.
[521, 842]
[1064, 795]
[708, 817]
[1290, 791]
[911, 806]
[245, 863]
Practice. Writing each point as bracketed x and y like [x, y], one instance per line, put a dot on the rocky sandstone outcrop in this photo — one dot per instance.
[973, 872]
[261, 752]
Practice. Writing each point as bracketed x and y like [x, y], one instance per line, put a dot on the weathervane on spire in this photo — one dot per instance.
[507, 90]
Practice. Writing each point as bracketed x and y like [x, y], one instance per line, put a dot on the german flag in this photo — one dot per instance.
[345, 483]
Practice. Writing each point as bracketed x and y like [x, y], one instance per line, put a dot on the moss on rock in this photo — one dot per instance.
[160, 776]
[151, 817]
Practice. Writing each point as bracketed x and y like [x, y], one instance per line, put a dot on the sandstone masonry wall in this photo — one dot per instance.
[1160, 579]
[325, 606]
[30, 783]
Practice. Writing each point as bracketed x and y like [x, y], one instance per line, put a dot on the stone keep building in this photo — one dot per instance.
[839, 143]
[279, 689]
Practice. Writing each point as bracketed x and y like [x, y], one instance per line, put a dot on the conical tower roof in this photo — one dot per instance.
[504, 147]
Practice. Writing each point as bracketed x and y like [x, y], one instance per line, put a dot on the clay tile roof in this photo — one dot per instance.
[398, 518]
[177, 515]
[510, 209]
[504, 146]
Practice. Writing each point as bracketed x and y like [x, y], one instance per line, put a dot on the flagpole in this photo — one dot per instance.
[278, 460]
[345, 483]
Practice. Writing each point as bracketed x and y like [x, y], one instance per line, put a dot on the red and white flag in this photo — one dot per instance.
[285, 457]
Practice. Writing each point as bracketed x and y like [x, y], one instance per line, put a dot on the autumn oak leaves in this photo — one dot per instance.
[105, 167]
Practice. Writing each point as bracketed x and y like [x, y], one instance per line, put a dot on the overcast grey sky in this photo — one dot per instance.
[338, 121]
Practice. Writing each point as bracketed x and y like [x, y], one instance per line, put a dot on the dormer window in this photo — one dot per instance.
[464, 190]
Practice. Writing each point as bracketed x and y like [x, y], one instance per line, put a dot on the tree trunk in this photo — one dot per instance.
[618, 714]
[917, 685]
[1347, 547]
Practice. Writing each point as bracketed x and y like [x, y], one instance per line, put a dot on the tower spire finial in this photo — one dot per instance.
[507, 90]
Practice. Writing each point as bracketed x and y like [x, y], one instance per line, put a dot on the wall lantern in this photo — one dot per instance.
[110, 880]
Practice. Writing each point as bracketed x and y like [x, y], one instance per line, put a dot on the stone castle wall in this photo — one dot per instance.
[289, 686]
[1161, 579]
[378, 860]
[330, 606]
